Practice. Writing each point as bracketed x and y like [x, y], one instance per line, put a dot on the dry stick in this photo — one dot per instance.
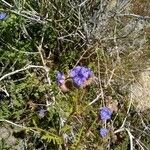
[40, 51]
[142, 145]
[6, 3]
[143, 123]
[34, 17]
[124, 121]
[29, 16]
[133, 15]
[93, 47]
[99, 78]
[43, 61]
[116, 45]
[34, 129]
[127, 112]
[59, 11]
[15, 49]
[122, 128]
[17, 125]
[20, 70]
[83, 3]
[3, 68]
[109, 81]
[131, 137]
[4, 90]
[46, 68]
[96, 99]
[122, 6]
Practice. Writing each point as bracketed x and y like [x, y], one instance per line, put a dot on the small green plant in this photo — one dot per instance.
[78, 108]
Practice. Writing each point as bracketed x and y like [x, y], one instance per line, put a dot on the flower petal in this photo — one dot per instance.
[105, 113]
[60, 78]
[75, 71]
[2, 15]
[86, 72]
[79, 81]
[103, 132]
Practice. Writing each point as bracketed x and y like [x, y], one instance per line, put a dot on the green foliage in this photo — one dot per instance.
[56, 140]
[4, 145]
[55, 36]
[77, 139]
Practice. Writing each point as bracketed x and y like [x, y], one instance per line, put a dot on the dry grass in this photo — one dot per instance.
[141, 91]
[112, 38]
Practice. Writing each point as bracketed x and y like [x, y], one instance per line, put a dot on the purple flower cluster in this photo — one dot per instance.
[80, 75]
[42, 113]
[103, 132]
[105, 113]
[3, 15]
[60, 78]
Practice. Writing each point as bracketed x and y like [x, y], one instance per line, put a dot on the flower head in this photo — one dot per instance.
[103, 132]
[60, 78]
[80, 75]
[3, 15]
[41, 113]
[105, 113]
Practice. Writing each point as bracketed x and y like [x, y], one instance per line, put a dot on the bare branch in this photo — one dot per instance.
[134, 15]
[131, 137]
[96, 99]
[17, 125]
[6, 3]
[20, 70]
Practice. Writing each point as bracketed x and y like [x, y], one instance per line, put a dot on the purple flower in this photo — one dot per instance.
[103, 132]
[41, 113]
[75, 71]
[79, 81]
[80, 75]
[3, 15]
[60, 78]
[105, 113]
